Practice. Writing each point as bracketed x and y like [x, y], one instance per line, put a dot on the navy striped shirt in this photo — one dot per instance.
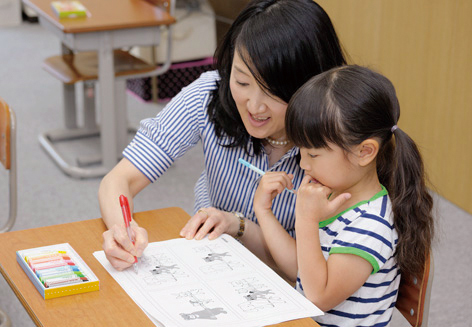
[366, 230]
[224, 184]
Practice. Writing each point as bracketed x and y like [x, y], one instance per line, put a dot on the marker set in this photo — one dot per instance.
[57, 270]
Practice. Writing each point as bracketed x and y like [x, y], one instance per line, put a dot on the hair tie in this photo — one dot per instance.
[394, 128]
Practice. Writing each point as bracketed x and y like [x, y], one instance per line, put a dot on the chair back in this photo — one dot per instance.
[414, 295]
[8, 157]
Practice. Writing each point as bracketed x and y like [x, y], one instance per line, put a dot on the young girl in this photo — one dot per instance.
[363, 213]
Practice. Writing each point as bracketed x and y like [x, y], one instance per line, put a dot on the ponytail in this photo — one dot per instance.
[401, 170]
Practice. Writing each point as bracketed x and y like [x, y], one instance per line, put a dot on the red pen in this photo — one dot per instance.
[127, 217]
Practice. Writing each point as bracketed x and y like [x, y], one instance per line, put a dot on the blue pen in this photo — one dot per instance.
[257, 170]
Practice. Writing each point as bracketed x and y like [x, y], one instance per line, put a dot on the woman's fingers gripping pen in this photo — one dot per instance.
[127, 218]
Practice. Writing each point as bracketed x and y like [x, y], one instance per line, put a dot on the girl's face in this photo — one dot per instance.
[263, 115]
[332, 167]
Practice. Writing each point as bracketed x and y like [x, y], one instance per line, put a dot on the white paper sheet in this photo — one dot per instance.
[185, 283]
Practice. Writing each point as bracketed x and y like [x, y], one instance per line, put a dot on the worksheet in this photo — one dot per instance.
[185, 283]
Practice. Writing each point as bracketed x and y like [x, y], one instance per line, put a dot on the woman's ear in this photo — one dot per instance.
[367, 151]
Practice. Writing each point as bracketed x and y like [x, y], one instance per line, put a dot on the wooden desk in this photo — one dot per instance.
[101, 308]
[111, 25]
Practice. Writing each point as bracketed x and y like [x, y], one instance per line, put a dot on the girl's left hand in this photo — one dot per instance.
[313, 204]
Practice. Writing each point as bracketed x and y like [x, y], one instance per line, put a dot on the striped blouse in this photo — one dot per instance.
[224, 183]
[366, 230]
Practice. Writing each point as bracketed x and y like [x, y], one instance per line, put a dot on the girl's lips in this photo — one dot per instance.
[256, 122]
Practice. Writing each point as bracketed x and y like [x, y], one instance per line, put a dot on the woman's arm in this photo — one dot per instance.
[124, 179]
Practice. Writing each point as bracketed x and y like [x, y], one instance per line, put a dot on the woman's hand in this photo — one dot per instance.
[119, 249]
[313, 204]
[210, 221]
[271, 184]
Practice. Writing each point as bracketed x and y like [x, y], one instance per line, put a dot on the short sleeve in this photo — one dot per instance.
[177, 128]
[369, 236]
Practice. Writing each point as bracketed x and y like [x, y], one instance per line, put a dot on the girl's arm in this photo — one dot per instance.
[325, 283]
[279, 243]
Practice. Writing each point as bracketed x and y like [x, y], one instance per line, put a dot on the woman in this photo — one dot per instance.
[237, 111]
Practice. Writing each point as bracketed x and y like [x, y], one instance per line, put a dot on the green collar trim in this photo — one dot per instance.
[328, 221]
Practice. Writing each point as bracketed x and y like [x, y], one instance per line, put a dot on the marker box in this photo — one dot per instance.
[57, 270]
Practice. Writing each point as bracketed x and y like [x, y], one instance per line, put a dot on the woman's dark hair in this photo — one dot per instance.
[284, 43]
[348, 105]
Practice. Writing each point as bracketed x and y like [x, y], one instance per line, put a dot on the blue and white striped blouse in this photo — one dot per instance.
[366, 230]
[224, 184]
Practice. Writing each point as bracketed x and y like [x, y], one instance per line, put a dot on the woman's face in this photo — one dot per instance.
[263, 114]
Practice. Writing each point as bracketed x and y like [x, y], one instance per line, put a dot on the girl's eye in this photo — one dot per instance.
[242, 84]
[312, 155]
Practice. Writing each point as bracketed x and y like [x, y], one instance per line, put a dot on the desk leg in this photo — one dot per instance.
[70, 118]
[68, 91]
[108, 121]
[122, 114]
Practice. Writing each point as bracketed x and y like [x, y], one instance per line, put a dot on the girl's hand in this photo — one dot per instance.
[210, 221]
[271, 184]
[119, 249]
[313, 204]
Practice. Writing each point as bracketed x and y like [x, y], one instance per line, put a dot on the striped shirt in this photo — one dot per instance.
[224, 183]
[366, 230]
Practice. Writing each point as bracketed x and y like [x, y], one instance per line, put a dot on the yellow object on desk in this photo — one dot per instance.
[57, 270]
[69, 9]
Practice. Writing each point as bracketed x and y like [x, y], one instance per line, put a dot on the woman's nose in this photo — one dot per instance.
[256, 108]
[256, 103]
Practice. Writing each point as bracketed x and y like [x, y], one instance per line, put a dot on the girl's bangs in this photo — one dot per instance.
[312, 118]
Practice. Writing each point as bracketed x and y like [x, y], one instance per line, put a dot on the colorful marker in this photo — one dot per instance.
[44, 255]
[65, 281]
[49, 259]
[47, 265]
[65, 275]
[56, 270]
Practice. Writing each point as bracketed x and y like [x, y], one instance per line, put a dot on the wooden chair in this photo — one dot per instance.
[72, 68]
[8, 158]
[4, 320]
[414, 295]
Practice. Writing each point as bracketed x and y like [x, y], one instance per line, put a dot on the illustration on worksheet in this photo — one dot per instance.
[216, 259]
[257, 295]
[198, 298]
[209, 283]
[160, 269]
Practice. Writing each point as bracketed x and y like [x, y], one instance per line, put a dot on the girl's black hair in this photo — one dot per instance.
[284, 43]
[348, 105]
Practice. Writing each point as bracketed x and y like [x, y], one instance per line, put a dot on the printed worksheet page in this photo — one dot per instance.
[206, 283]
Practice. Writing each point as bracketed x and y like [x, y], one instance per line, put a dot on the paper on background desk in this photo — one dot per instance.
[206, 283]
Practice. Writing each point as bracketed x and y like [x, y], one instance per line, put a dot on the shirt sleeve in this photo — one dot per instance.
[178, 127]
[369, 236]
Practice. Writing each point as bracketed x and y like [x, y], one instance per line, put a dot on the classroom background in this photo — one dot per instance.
[424, 47]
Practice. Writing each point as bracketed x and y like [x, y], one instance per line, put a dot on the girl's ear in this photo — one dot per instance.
[367, 151]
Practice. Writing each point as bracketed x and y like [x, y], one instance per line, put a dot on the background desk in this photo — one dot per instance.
[110, 306]
[111, 25]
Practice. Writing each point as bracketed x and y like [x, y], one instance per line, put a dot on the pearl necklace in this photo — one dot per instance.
[277, 143]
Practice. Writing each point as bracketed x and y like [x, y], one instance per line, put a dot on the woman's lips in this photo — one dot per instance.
[258, 121]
